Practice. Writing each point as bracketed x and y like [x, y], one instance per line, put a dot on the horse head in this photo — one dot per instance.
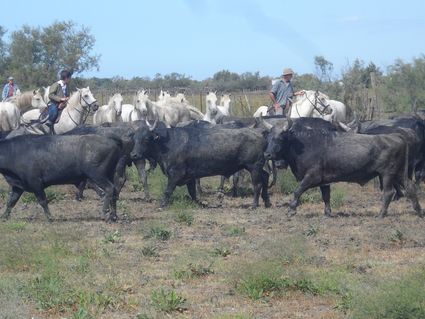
[37, 100]
[142, 98]
[117, 101]
[87, 99]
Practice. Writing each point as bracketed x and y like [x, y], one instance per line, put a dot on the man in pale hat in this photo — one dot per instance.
[282, 91]
[10, 89]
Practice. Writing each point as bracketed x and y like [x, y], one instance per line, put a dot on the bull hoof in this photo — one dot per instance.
[148, 199]
[78, 199]
[253, 207]
[112, 219]
[291, 212]
[382, 215]
[267, 204]
[328, 213]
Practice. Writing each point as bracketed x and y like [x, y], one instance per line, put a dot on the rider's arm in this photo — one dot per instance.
[53, 95]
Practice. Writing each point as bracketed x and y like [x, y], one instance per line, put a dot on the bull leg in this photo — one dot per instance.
[141, 169]
[326, 197]
[235, 178]
[411, 193]
[109, 189]
[257, 184]
[80, 190]
[99, 191]
[198, 186]
[387, 184]
[265, 189]
[42, 200]
[14, 196]
[191, 188]
[120, 177]
[221, 186]
[171, 185]
[307, 182]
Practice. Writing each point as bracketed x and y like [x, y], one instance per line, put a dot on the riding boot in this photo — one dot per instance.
[49, 124]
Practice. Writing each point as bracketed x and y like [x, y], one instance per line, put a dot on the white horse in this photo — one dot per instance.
[171, 112]
[312, 104]
[163, 97]
[110, 112]
[27, 100]
[46, 94]
[9, 116]
[136, 111]
[78, 107]
[213, 112]
[224, 105]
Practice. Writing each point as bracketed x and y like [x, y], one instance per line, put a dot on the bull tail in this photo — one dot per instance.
[406, 166]
[4, 121]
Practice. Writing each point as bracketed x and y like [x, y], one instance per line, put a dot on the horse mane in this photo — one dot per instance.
[21, 99]
[72, 100]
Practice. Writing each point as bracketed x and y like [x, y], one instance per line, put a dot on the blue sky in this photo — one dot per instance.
[199, 38]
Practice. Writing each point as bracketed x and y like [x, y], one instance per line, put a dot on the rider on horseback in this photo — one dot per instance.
[58, 96]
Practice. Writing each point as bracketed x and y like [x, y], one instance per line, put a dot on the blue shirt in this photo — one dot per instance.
[5, 93]
[282, 91]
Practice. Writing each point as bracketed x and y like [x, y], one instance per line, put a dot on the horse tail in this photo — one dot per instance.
[4, 121]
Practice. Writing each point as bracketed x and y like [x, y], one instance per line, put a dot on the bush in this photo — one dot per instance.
[160, 233]
[395, 299]
[193, 271]
[184, 217]
[167, 300]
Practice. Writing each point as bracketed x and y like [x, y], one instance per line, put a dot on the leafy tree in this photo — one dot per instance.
[3, 53]
[324, 69]
[36, 55]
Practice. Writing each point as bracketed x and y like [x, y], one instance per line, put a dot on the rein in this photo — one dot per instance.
[85, 112]
[316, 100]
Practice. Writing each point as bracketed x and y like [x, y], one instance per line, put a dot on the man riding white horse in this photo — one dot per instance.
[58, 97]
[282, 92]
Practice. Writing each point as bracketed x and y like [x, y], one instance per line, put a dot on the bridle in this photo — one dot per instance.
[317, 100]
[86, 109]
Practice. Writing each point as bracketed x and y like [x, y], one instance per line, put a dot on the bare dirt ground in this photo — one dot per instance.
[81, 267]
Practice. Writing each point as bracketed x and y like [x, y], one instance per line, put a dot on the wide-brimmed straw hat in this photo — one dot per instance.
[287, 71]
[10, 78]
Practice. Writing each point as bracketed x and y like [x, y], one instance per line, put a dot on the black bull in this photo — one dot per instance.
[32, 163]
[124, 132]
[319, 154]
[188, 153]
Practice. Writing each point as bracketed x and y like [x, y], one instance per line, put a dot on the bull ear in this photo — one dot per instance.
[34, 92]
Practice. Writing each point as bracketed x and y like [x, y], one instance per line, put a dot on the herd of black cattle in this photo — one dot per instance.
[318, 153]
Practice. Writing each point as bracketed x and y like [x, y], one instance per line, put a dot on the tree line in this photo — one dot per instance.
[35, 55]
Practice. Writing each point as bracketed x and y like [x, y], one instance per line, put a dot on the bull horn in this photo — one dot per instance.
[346, 128]
[288, 125]
[149, 125]
[267, 125]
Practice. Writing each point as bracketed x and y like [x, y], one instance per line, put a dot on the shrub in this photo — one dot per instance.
[167, 300]
[160, 233]
[401, 298]
[184, 217]
[113, 238]
[193, 271]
